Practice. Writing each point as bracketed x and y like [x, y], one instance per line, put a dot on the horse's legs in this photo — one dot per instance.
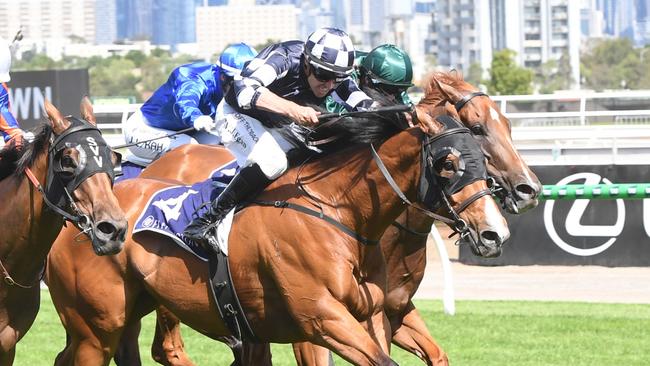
[128, 350]
[167, 347]
[339, 331]
[256, 354]
[308, 354]
[7, 357]
[412, 335]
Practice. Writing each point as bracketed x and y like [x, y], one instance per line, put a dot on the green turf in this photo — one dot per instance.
[481, 333]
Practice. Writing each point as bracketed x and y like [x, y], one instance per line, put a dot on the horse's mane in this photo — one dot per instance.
[433, 95]
[15, 161]
[371, 127]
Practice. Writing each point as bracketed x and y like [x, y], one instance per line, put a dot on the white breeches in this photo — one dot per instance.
[251, 142]
[136, 129]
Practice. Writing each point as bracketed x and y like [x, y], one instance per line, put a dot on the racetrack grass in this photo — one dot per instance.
[481, 333]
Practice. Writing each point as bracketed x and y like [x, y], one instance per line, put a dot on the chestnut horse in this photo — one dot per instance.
[72, 160]
[309, 283]
[404, 249]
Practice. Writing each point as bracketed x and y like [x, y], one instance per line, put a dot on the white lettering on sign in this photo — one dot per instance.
[29, 99]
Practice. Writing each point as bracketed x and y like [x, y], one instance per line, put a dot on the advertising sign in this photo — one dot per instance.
[29, 89]
[587, 232]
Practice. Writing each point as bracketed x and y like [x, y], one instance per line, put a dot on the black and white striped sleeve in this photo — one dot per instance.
[259, 73]
[351, 96]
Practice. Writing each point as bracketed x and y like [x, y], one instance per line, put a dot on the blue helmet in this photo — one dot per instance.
[234, 57]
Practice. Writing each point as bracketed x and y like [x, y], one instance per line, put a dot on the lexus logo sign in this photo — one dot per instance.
[575, 229]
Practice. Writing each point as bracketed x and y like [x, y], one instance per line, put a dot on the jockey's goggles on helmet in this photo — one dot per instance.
[324, 76]
[388, 88]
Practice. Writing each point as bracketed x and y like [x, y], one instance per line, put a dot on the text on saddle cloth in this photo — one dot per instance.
[169, 210]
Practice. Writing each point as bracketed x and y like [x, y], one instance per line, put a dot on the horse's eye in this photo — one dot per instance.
[68, 162]
[478, 130]
[448, 165]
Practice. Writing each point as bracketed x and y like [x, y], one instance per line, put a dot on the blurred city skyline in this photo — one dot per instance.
[452, 33]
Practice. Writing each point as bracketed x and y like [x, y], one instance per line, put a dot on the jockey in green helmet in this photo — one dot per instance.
[386, 68]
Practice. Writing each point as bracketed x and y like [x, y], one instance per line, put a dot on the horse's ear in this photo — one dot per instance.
[87, 111]
[57, 121]
[427, 123]
[450, 93]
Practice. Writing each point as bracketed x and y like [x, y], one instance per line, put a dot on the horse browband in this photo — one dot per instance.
[461, 103]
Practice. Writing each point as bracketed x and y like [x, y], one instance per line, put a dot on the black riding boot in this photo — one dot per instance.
[247, 183]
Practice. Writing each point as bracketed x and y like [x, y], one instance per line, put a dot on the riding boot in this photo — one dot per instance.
[247, 183]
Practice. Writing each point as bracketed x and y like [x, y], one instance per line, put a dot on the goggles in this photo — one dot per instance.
[324, 76]
[388, 88]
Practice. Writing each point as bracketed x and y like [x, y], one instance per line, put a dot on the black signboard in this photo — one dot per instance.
[581, 232]
[29, 89]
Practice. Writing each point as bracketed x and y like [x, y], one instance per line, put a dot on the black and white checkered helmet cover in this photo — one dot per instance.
[331, 49]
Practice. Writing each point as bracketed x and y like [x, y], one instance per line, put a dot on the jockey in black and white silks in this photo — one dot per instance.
[281, 81]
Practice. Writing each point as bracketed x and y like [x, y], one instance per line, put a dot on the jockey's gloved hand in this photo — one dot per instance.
[203, 123]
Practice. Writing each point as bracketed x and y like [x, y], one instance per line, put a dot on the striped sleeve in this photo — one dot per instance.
[349, 95]
[259, 73]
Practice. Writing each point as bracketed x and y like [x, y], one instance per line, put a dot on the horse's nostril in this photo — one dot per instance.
[106, 228]
[489, 236]
[526, 190]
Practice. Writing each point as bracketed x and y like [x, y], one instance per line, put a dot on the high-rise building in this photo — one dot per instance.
[174, 21]
[243, 21]
[134, 19]
[463, 33]
[48, 19]
[106, 23]
[543, 30]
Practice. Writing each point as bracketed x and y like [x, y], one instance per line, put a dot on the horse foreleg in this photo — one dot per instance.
[308, 354]
[7, 357]
[255, 354]
[167, 347]
[412, 335]
[340, 332]
[128, 350]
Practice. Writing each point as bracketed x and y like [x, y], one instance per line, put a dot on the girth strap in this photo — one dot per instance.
[306, 210]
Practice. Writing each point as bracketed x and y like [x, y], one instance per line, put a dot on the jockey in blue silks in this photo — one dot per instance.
[189, 98]
[282, 81]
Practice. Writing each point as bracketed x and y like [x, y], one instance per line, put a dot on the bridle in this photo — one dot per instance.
[461, 103]
[431, 188]
[497, 190]
[95, 156]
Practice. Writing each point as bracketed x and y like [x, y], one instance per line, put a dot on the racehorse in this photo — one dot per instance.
[403, 244]
[340, 279]
[70, 157]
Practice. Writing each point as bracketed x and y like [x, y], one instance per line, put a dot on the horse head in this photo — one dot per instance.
[80, 178]
[492, 130]
[453, 183]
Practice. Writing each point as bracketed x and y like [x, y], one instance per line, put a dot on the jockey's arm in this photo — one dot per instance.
[269, 101]
[252, 93]
[189, 91]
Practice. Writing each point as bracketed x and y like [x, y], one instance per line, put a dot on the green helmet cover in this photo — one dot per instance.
[389, 65]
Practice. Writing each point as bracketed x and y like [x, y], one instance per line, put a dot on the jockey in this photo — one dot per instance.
[11, 132]
[188, 99]
[386, 69]
[283, 80]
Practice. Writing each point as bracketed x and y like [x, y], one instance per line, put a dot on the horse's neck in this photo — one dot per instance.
[28, 228]
[360, 194]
